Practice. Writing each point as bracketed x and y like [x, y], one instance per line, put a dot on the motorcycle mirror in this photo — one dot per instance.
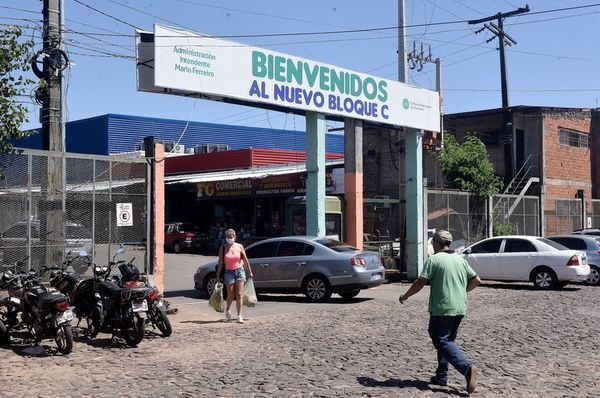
[121, 249]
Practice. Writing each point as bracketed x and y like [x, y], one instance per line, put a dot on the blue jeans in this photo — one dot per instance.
[442, 330]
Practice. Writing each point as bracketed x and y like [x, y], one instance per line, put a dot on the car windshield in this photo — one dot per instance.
[188, 228]
[555, 245]
[336, 245]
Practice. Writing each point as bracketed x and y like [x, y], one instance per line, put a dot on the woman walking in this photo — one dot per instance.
[233, 256]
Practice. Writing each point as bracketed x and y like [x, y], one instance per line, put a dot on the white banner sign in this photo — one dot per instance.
[189, 62]
[124, 215]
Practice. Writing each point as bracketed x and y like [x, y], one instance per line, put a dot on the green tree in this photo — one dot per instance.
[467, 166]
[14, 62]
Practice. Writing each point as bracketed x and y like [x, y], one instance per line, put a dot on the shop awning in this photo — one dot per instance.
[255, 172]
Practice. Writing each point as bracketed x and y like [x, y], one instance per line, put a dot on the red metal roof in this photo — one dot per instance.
[236, 159]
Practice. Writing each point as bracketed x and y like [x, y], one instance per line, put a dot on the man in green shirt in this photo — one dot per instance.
[450, 278]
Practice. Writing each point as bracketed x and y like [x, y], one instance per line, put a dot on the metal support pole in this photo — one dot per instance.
[402, 64]
[94, 211]
[315, 172]
[414, 202]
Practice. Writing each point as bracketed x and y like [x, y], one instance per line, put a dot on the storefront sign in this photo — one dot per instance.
[279, 185]
[190, 63]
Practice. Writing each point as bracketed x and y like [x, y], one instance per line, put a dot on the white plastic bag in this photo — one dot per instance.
[250, 298]
[216, 301]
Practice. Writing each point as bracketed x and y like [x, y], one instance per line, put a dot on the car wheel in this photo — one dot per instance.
[594, 276]
[317, 288]
[349, 295]
[544, 279]
[176, 247]
[209, 284]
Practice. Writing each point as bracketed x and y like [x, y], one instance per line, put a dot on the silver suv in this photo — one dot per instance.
[589, 244]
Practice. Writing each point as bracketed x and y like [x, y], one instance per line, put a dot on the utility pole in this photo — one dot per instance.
[54, 61]
[402, 62]
[503, 39]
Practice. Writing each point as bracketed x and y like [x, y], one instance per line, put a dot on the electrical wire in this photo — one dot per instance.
[106, 14]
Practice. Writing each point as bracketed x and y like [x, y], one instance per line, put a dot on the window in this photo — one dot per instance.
[336, 245]
[573, 138]
[490, 246]
[262, 250]
[519, 246]
[293, 248]
[553, 243]
[188, 228]
[571, 243]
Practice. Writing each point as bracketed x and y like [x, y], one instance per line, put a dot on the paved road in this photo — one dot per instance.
[526, 343]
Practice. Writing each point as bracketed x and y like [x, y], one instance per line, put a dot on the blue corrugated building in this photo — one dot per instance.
[111, 134]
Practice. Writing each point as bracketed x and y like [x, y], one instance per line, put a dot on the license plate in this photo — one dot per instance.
[139, 307]
[375, 277]
[66, 316]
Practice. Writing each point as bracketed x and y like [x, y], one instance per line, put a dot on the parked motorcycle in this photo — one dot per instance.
[131, 278]
[103, 304]
[42, 312]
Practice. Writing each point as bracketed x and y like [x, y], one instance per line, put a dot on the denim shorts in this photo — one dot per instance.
[232, 276]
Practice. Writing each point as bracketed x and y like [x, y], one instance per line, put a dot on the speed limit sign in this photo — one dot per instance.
[124, 214]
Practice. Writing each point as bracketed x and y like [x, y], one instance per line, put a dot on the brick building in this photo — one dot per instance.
[554, 153]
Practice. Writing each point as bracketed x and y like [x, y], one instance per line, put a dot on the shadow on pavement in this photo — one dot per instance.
[303, 299]
[26, 347]
[399, 383]
[191, 293]
[204, 322]
[518, 286]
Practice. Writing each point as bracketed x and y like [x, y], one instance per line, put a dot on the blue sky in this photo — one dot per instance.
[555, 62]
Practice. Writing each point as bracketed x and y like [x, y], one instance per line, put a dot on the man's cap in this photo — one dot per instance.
[442, 236]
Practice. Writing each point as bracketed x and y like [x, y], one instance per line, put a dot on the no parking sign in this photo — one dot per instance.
[124, 215]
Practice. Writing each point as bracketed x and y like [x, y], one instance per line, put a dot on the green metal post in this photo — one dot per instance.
[414, 202]
[315, 171]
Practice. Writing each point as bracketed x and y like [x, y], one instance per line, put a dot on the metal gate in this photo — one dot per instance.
[101, 203]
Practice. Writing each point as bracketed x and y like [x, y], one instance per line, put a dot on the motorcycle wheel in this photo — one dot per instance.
[133, 332]
[158, 316]
[64, 338]
[94, 323]
[4, 335]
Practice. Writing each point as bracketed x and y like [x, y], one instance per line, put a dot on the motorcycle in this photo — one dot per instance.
[157, 310]
[103, 304]
[42, 312]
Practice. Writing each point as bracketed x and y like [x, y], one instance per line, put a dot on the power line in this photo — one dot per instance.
[21, 9]
[106, 15]
[148, 14]
[346, 31]
[527, 89]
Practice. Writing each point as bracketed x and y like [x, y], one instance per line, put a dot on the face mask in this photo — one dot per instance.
[230, 240]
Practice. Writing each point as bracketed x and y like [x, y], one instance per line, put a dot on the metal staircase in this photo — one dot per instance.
[517, 188]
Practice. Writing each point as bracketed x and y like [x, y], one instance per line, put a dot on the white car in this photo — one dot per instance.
[527, 258]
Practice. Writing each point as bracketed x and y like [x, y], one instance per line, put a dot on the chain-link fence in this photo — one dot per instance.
[96, 204]
[461, 213]
[595, 213]
[562, 215]
[516, 215]
[381, 216]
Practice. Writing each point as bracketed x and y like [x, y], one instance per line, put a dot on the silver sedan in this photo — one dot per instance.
[314, 266]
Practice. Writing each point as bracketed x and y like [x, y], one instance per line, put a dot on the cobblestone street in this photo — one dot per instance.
[524, 343]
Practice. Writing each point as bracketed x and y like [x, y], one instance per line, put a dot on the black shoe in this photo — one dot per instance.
[438, 382]
[471, 377]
